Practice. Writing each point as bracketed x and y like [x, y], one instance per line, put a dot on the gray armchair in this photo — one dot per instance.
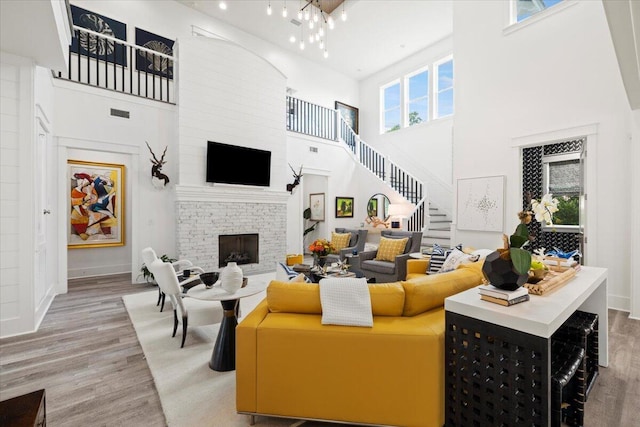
[389, 271]
[356, 242]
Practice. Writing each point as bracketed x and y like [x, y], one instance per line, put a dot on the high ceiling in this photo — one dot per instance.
[376, 34]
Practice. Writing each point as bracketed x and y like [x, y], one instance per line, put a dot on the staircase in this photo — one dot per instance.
[435, 225]
[439, 230]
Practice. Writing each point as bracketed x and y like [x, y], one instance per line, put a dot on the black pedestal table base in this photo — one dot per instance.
[224, 352]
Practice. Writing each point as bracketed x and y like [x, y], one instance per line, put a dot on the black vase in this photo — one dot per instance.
[501, 273]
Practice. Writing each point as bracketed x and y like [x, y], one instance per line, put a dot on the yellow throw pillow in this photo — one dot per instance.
[390, 248]
[340, 240]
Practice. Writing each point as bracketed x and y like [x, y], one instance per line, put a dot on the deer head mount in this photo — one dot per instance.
[296, 179]
[156, 169]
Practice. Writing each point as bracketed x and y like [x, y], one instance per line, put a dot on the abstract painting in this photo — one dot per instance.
[96, 204]
[150, 63]
[87, 44]
[481, 204]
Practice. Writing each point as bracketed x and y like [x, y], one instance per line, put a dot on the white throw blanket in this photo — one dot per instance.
[345, 301]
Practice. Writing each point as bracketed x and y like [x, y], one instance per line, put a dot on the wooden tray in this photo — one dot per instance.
[558, 264]
[554, 279]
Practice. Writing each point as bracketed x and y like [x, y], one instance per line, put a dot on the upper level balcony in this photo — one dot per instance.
[109, 63]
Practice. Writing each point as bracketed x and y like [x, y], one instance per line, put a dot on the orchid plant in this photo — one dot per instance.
[543, 211]
[545, 208]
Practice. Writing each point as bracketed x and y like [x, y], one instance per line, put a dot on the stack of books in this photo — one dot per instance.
[500, 296]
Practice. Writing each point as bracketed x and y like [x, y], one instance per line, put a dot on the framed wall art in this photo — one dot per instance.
[344, 207]
[372, 207]
[316, 203]
[349, 113]
[96, 204]
[481, 203]
[146, 61]
[86, 44]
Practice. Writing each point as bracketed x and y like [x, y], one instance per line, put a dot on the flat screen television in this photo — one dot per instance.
[232, 164]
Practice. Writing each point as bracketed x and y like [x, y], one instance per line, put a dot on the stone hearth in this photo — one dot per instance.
[205, 213]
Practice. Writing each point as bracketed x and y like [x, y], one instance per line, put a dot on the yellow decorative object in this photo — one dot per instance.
[390, 248]
[293, 259]
[318, 385]
[340, 240]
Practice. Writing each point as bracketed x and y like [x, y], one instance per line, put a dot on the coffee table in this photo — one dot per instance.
[320, 276]
[224, 351]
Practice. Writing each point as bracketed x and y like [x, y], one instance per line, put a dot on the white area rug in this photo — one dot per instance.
[190, 392]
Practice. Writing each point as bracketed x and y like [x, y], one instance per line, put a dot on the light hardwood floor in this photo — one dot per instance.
[87, 357]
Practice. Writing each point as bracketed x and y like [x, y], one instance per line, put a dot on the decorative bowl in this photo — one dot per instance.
[210, 278]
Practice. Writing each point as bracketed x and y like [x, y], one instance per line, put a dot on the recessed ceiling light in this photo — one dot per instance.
[222, 5]
[292, 39]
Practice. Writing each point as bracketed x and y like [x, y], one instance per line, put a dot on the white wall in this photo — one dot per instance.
[25, 94]
[232, 96]
[557, 73]
[330, 170]
[423, 150]
[635, 219]
[16, 288]
[86, 131]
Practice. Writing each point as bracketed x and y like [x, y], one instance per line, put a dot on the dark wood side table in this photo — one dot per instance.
[27, 410]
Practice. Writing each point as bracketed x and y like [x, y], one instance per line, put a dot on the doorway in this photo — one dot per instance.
[557, 168]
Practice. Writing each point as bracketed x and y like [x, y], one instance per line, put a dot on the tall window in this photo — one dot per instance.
[391, 107]
[417, 98]
[444, 88]
[524, 9]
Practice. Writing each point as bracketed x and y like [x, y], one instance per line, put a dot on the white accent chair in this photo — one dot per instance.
[188, 311]
[149, 255]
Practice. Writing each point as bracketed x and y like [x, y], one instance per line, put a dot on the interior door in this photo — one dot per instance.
[42, 214]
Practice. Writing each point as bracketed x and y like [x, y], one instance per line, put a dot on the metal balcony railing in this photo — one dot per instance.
[109, 63]
[314, 120]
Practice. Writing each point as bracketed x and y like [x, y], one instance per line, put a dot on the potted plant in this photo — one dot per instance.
[508, 267]
[147, 275]
[320, 248]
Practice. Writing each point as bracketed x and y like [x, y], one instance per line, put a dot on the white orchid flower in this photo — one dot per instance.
[545, 208]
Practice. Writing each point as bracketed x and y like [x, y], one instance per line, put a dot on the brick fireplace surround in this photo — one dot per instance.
[205, 213]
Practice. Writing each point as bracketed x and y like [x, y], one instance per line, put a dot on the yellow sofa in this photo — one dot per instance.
[290, 365]
[417, 268]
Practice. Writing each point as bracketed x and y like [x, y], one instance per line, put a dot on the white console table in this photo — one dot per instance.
[506, 351]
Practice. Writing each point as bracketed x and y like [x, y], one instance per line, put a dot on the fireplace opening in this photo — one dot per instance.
[240, 248]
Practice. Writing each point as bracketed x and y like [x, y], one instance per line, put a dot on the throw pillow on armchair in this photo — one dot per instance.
[340, 240]
[390, 248]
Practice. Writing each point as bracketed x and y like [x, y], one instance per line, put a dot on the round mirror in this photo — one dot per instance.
[378, 207]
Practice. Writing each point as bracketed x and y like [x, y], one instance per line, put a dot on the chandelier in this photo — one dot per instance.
[315, 21]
